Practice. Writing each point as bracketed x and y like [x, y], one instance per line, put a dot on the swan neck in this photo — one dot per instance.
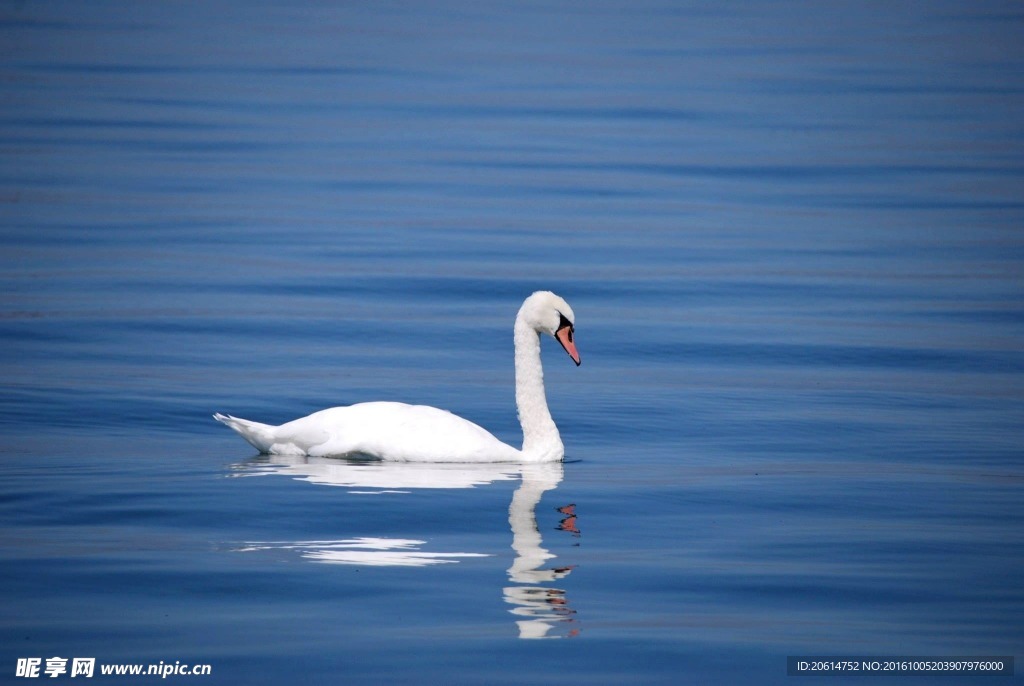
[541, 441]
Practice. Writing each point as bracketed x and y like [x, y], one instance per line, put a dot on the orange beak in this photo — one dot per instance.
[564, 336]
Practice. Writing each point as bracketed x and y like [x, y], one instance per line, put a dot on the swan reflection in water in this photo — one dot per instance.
[543, 610]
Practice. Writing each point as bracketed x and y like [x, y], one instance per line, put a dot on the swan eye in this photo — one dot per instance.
[564, 323]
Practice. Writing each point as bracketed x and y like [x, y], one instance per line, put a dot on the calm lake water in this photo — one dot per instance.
[793, 237]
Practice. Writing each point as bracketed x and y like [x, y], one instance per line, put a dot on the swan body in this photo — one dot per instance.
[419, 433]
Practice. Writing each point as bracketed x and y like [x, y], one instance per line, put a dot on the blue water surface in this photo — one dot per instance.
[792, 236]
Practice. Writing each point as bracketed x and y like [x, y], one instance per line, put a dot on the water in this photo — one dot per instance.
[791, 234]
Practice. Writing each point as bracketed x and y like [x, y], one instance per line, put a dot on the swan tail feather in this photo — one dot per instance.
[259, 436]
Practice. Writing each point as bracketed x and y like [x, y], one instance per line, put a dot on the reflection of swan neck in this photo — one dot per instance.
[522, 518]
[541, 607]
[541, 441]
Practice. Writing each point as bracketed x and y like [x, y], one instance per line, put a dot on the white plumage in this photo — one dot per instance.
[419, 433]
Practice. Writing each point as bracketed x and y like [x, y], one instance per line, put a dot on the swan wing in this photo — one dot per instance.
[391, 431]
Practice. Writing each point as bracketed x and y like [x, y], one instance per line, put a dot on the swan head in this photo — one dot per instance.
[548, 313]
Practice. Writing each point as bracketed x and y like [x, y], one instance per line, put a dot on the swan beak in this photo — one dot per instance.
[564, 336]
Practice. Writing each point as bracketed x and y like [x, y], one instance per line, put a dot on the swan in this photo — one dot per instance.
[419, 433]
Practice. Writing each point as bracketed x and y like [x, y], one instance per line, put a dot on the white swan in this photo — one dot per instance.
[418, 433]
